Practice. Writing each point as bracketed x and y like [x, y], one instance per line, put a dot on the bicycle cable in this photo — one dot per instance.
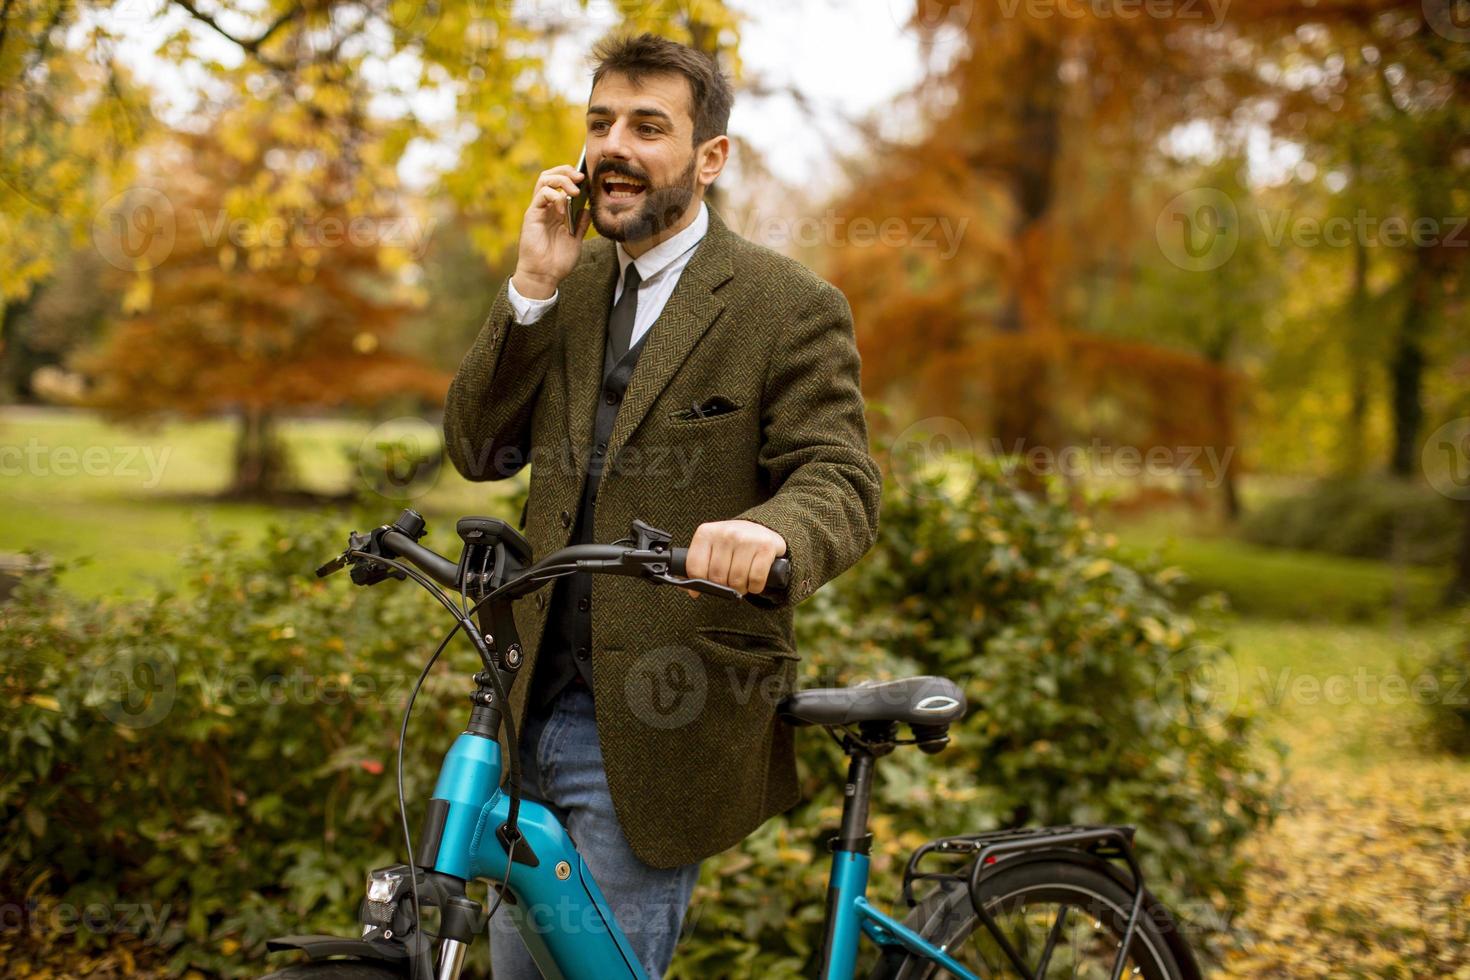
[462, 621]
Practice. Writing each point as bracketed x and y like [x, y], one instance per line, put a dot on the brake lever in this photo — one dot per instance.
[697, 584]
[335, 565]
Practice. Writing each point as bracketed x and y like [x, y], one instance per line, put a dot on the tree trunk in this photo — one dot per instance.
[1459, 590]
[1407, 367]
[1355, 438]
[259, 460]
[1217, 352]
[13, 381]
[1036, 122]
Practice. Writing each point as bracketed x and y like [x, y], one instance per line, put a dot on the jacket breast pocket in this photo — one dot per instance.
[707, 410]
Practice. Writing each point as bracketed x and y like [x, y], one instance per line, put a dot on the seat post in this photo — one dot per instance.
[849, 882]
[854, 836]
[876, 740]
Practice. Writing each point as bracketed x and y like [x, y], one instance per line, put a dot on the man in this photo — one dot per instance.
[673, 372]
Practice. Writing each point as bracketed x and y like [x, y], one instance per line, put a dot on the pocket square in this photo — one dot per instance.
[710, 408]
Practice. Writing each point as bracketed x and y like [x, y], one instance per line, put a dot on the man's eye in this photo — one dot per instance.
[648, 130]
[597, 127]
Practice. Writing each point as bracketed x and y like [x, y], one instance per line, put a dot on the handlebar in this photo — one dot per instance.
[646, 555]
[431, 563]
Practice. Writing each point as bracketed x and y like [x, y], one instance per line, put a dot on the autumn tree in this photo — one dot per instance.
[70, 115]
[1052, 138]
[1036, 128]
[256, 315]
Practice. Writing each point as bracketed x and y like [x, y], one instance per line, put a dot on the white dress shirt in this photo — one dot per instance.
[659, 269]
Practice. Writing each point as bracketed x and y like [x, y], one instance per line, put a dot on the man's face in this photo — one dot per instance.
[641, 155]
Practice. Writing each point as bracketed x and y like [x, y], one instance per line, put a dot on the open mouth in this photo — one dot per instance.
[621, 187]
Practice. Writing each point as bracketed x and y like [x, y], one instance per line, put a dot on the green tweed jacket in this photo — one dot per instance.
[686, 689]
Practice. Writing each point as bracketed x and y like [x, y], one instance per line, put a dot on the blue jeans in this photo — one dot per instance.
[561, 766]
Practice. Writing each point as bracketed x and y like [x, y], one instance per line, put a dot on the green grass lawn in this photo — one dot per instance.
[1337, 694]
[129, 502]
[1282, 584]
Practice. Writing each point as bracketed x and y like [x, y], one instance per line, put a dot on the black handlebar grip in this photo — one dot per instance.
[778, 579]
[436, 566]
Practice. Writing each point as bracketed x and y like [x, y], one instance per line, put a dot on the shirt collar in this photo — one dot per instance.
[662, 255]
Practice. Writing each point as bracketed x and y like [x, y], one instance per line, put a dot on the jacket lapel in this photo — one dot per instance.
[583, 320]
[690, 311]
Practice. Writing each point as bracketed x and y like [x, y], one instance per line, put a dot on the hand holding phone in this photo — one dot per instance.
[552, 230]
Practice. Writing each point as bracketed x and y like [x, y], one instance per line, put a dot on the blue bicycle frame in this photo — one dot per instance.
[557, 907]
[582, 938]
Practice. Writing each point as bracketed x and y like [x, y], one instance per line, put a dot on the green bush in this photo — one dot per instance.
[147, 760]
[1093, 699]
[214, 766]
[1368, 517]
[1448, 715]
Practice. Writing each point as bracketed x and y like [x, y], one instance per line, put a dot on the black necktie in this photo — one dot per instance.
[625, 311]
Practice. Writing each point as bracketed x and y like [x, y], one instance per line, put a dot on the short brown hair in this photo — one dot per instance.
[648, 54]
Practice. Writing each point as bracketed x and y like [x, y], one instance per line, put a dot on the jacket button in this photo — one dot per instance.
[583, 653]
[601, 448]
[566, 519]
[584, 604]
[612, 397]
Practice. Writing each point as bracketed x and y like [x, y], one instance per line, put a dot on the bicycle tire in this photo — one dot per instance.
[946, 917]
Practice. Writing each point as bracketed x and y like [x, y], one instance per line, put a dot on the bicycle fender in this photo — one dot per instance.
[320, 947]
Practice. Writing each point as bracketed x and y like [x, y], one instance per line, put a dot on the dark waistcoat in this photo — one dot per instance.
[568, 643]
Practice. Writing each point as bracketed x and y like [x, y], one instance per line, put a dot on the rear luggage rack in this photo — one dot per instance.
[984, 853]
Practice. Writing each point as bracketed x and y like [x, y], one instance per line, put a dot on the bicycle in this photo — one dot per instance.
[1000, 901]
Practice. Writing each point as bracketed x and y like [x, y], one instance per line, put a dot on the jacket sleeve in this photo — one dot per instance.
[815, 447]
[487, 413]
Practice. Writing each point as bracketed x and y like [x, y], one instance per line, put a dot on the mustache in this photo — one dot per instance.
[606, 167]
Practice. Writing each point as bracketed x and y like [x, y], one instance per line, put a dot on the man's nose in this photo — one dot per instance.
[615, 143]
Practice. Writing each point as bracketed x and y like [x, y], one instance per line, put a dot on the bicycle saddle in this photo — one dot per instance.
[911, 700]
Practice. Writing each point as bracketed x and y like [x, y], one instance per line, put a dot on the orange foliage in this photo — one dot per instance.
[1036, 144]
[261, 314]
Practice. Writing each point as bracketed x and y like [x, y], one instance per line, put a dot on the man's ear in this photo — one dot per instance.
[710, 159]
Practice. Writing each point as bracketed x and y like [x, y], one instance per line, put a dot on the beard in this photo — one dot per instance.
[661, 207]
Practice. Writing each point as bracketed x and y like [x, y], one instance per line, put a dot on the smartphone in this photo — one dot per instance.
[577, 203]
